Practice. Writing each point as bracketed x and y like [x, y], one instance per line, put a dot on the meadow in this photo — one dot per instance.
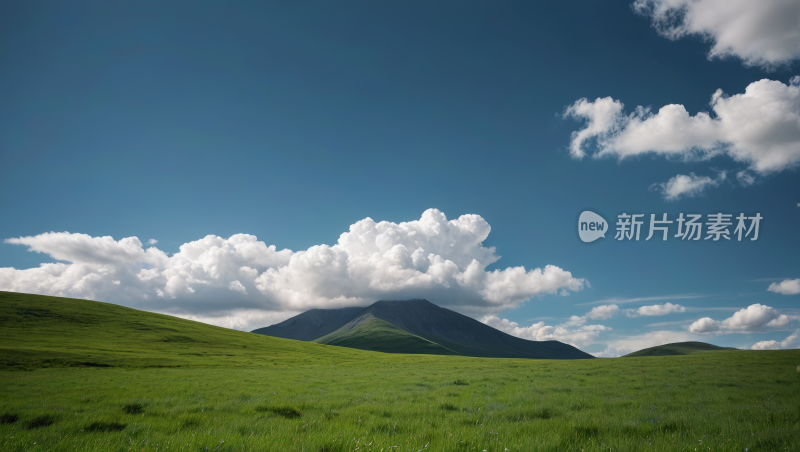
[101, 387]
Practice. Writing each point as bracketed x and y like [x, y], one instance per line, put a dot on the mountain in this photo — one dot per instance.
[678, 348]
[415, 326]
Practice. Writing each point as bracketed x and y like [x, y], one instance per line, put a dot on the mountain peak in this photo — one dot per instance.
[435, 327]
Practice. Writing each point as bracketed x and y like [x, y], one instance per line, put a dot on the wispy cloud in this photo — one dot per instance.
[644, 299]
[713, 308]
[675, 322]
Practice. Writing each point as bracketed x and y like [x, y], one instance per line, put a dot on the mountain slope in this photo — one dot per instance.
[369, 333]
[450, 330]
[41, 331]
[311, 324]
[678, 348]
[463, 334]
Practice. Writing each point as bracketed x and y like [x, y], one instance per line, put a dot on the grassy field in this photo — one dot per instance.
[239, 391]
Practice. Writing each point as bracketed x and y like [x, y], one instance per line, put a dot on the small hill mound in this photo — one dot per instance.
[678, 348]
[369, 333]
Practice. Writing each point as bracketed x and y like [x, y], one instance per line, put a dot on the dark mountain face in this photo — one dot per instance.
[454, 331]
[465, 335]
[311, 324]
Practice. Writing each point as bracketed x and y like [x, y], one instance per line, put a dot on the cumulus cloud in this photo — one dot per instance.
[786, 287]
[655, 310]
[236, 286]
[766, 345]
[435, 258]
[752, 319]
[792, 341]
[602, 116]
[152, 242]
[760, 128]
[603, 312]
[704, 326]
[84, 249]
[576, 335]
[760, 33]
[574, 331]
[687, 186]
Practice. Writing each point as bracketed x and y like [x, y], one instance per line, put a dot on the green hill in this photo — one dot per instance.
[380, 336]
[42, 331]
[678, 348]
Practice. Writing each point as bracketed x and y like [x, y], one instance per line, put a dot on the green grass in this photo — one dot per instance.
[297, 396]
[381, 336]
[38, 331]
[679, 348]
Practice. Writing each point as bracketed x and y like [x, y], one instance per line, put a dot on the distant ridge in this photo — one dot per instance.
[678, 348]
[404, 323]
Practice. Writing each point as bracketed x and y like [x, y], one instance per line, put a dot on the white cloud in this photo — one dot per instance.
[612, 352]
[432, 257]
[792, 341]
[84, 249]
[580, 336]
[236, 286]
[761, 33]
[574, 331]
[760, 127]
[603, 312]
[745, 178]
[152, 242]
[766, 345]
[687, 186]
[602, 115]
[781, 321]
[640, 299]
[655, 310]
[752, 319]
[786, 287]
[239, 319]
[704, 326]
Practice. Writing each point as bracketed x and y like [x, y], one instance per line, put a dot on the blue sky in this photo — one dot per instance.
[173, 121]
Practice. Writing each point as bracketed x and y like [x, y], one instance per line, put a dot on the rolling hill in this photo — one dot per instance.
[441, 331]
[678, 348]
[41, 331]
